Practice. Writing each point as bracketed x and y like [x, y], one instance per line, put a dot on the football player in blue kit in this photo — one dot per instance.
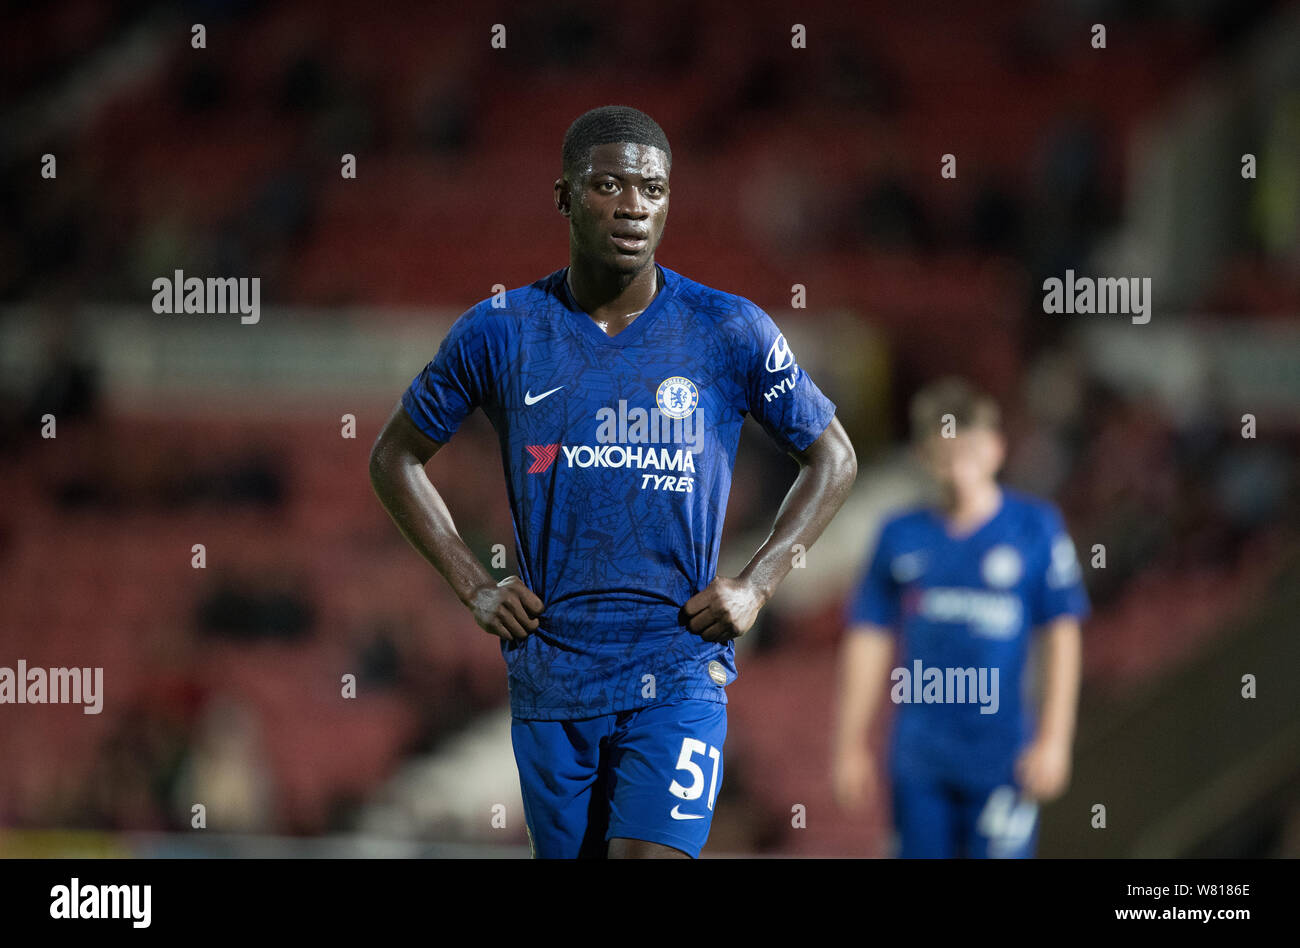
[617, 388]
[962, 588]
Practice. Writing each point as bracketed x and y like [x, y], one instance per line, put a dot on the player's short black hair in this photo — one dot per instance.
[611, 123]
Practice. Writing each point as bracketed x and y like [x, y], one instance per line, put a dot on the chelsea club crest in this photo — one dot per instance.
[677, 396]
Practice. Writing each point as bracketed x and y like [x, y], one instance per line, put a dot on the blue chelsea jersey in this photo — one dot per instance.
[618, 454]
[964, 608]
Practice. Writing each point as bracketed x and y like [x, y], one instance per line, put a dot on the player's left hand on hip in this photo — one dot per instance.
[723, 610]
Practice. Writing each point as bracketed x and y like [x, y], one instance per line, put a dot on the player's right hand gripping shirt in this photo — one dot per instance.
[964, 608]
[618, 454]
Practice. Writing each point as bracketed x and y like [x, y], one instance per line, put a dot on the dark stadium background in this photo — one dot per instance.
[818, 167]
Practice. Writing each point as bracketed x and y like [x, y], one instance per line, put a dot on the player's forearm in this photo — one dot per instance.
[864, 662]
[1063, 660]
[814, 498]
[417, 508]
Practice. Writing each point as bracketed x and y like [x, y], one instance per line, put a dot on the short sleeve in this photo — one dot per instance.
[1059, 590]
[779, 394]
[455, 382]
[876, 598]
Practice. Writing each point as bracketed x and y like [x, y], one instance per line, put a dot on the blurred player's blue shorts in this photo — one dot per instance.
[938, 818]
[650, 773]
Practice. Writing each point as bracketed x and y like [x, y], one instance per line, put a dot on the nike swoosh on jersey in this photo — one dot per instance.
[685, 816]
[531, 399]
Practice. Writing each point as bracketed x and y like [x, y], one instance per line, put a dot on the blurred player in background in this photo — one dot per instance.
[617, 388]
[962, 587]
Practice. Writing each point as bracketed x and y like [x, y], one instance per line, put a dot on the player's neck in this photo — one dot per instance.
[611, 298]
[967, 512]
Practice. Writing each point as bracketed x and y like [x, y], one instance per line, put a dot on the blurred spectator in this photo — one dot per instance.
[227, 771]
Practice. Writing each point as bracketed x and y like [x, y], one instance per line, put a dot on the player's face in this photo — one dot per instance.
[618, 205]
[966, 463]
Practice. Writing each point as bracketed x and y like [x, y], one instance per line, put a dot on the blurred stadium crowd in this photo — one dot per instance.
[818, 169]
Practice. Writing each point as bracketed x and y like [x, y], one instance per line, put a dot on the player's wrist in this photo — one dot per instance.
[469, 594]
[1049, 739]
[761, 591]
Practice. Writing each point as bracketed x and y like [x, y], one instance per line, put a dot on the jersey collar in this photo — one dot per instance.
[587, 328]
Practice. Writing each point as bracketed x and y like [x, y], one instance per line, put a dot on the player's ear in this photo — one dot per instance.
[998, 447]
[562, 196]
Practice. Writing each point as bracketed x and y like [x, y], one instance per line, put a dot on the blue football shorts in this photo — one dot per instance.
[650, 773]
[943, 819]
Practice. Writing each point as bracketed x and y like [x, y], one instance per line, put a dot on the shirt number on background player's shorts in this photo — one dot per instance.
[1006, 820]
[686, 762]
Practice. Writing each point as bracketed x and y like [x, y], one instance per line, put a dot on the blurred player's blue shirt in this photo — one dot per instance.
[618, 455]
[968, 602]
